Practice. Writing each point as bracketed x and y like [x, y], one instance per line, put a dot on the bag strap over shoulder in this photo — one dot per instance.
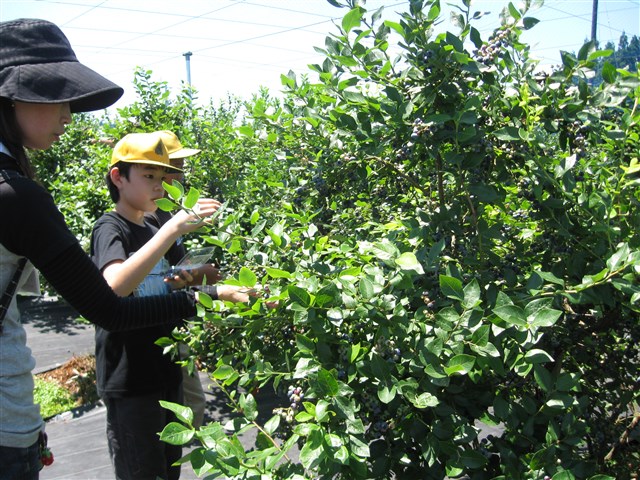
[8, 175]
[13, 284]
[10, 290]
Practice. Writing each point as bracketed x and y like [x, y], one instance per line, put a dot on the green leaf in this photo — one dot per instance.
[545, 317]
[568, 59]
[471, 295]
[341, 455]
[184, 414]
[246, 130]
[223, 372]
[537, 356]
[543, 378]
[366, 288]
[332, 440]
[176, 434]
[424, 400]
[191, 199]
[550, 277]
[474, 36]
[451, 287]
[567, 382]
[327, 385]
[249, 406]
[408, 261]
[460, 364]
[609, 73]
[305, 367]
[583, 53]
[515, 13]
[598, 54]
[512, 314]
[205, 300]
[395, 26]
[481, 336]
[529, 22]
[247, 278]
[312, 452]
[305, 344]
[507, 134]
[174, 191]
[352, 19]
[322, 411]
[277, 273]
[354, 350]
[299, 295]
[471, 459]
[563, 475]
[386, 394]
[272, 424]
[619, 258]
[166, 205]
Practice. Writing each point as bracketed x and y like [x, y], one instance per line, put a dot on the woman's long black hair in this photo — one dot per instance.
[11, 136]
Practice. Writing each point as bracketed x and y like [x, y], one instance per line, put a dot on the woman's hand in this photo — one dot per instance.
[233, 293]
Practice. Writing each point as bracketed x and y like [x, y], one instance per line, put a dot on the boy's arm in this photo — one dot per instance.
[125, 275]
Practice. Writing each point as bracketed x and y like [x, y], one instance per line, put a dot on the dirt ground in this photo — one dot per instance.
[77, 376]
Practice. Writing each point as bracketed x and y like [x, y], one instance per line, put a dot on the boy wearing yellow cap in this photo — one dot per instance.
[133, 252]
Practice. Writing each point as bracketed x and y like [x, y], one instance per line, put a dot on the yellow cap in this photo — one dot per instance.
[146, 148]
[174, 147]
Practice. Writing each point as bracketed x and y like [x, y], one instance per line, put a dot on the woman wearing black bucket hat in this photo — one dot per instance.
[41, 85]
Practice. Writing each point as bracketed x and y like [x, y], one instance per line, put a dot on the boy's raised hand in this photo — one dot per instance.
[186, 222]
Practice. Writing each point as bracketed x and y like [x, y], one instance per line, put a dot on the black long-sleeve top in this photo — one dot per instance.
[32, 226]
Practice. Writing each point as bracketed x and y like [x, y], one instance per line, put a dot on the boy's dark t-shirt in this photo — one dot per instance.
[130, 363]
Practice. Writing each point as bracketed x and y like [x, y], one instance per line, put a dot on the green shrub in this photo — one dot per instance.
[52, 398]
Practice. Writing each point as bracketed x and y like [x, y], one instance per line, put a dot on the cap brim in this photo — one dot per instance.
[148, 162]
[184, 153]
[59, 82]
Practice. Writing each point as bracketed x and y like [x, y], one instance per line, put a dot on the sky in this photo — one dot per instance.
[238, 46]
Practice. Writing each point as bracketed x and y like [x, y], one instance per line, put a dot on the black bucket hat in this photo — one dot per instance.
[38, 65]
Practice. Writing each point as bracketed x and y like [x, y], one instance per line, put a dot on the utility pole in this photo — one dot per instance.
[187, 57]
[594, 20]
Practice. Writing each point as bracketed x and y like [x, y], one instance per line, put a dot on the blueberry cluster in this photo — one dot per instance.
[388, 350]
[421, 130]
[287, 415]
[319, 183]
[295, 395]
[577, 134]
[373, 414]
[298, 200]
[488, 52]
[510, 152]
[426, 298]
[483, 146]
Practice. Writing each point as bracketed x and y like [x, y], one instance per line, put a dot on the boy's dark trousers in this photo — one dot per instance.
[133, 425]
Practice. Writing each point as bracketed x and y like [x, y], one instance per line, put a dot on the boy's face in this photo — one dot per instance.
[143, 187]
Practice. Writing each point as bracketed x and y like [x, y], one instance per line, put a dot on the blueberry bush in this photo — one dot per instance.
[451, 235]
